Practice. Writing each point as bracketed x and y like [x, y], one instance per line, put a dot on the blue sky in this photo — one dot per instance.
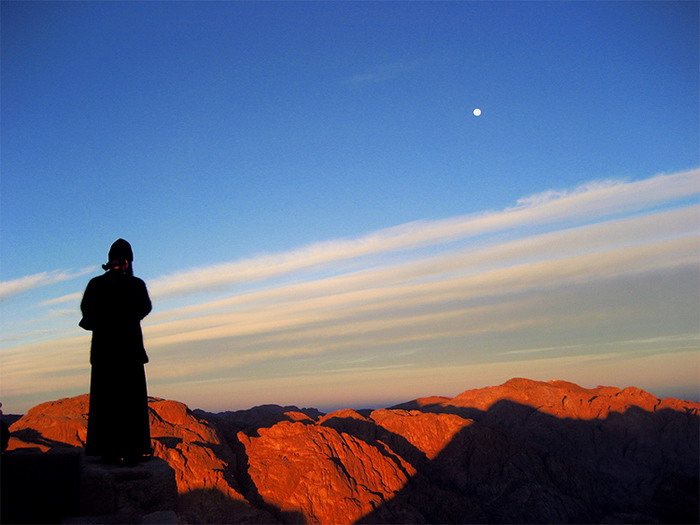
[321, 219]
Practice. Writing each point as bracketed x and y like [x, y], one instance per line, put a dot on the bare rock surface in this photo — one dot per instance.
[52, 424]
[522, 452]
[198, 459]
[314, 473]
[116, 494]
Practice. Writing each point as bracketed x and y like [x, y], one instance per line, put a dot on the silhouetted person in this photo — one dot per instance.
[113, 305]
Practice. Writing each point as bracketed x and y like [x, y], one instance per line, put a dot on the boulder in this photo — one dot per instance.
[315, 474]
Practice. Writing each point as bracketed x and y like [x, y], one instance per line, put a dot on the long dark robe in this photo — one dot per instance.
[113, 306]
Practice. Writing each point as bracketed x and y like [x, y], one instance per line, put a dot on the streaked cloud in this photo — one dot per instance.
[552, 195]
[589, 202]
[384, 72]
[38, 280]
[603, 273]
[63, 299]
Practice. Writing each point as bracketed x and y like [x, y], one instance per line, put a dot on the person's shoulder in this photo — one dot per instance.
[97, 279]
[138, 281]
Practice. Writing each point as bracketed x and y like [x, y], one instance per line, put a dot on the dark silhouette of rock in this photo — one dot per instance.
[522, 452]
[4, 436]
[62, 485]
[114, 494]
[39, 487]
[263, 416]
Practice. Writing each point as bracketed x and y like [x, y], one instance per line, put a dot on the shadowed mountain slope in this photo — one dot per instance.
[521, 452]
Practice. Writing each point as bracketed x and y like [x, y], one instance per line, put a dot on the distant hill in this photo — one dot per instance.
[522, 452]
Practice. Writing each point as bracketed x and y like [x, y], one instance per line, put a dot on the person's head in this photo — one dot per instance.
[120, 257]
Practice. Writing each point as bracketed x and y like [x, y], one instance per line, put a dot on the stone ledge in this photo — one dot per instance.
[64, 486]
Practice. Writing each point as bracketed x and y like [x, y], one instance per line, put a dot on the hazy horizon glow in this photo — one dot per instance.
[321, 219]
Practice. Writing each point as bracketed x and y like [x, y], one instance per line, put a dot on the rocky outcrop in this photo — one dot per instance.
[313, 473]
[199, 460]
[521, 452]
[556, 452]
[53, 424]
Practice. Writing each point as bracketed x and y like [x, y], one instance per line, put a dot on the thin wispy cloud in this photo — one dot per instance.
[384, 72]
[590, 202]
[23, 284]
[383, 294]
[470, 260]
[63, 299]
[536, 282]
[552, 195]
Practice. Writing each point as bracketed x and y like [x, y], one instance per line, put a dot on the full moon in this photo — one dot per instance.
[476, 112]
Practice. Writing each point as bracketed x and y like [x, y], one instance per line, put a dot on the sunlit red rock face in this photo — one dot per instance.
[202, 461]
[521, 452]
[54, 423]
[189, 445]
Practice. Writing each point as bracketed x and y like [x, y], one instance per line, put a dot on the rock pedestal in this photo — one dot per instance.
[39, 487]
[117, 494]
[64, 486]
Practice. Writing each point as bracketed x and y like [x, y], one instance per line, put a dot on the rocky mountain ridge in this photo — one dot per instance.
[522, 452]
